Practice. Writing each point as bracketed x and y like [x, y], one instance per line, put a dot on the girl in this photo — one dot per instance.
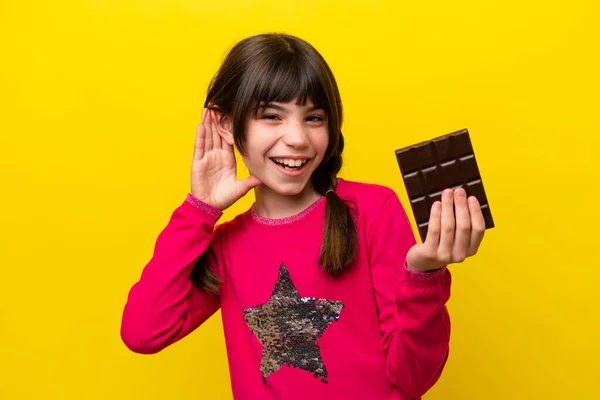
[323, 290]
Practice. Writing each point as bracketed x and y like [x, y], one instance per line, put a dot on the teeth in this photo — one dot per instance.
[290, 162]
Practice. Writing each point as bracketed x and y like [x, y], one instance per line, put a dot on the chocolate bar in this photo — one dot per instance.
[444, 162]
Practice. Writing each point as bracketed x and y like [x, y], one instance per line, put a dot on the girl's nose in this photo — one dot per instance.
[295, 135]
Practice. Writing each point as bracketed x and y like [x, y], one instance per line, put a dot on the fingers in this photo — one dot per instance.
[208, 137]
[477, 225]
[462, 236]
[447, 227]
[247, 184]
[432, 239]
[199, 142]
[456, 228]
[216, 138]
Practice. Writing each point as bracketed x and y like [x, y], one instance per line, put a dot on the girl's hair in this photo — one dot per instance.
[279, 68]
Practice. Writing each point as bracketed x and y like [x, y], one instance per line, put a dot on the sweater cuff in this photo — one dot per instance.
[423, 276]
[202, 206]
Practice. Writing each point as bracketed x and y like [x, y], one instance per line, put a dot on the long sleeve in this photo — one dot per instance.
[412, 306]
[164, 306]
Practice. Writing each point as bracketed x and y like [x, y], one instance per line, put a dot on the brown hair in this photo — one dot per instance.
[278, 68]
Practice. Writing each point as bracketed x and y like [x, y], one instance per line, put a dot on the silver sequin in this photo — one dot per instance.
[289, 326]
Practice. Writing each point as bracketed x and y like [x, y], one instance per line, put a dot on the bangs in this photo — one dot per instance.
[275, 69]
[285, 79]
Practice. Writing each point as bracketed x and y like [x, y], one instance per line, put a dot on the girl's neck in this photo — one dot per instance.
[272, 205]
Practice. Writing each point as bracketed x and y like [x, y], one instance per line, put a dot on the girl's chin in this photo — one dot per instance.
[287, 188]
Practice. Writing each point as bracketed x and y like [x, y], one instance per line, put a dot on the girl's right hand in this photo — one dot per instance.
[214, 179]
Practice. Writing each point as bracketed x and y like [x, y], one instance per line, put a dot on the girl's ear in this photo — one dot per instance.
[224, 127]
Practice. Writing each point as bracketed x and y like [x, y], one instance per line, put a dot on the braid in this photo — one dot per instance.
[338, 249]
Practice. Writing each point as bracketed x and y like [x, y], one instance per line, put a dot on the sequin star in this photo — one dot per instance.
[288, 327]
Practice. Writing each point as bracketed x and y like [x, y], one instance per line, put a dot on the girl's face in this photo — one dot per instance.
[285, 143]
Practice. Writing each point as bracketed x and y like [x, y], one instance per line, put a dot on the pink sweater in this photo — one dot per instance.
[379, 331]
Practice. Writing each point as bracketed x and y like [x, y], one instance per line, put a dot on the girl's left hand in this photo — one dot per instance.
[450, 239]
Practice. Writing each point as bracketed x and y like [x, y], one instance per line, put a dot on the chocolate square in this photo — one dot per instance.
[429, 167]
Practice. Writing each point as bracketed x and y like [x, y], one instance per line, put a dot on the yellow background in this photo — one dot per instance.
[98, 109]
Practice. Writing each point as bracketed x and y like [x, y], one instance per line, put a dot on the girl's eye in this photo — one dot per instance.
[270, 117]
[275, 117]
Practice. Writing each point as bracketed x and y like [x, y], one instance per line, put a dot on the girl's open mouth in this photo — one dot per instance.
[290, 166]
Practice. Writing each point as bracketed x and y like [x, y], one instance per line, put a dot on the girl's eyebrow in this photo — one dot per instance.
[281, 108]
[271, 105]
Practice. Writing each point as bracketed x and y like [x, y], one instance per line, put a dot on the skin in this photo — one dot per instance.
[456, 225]
[284, 130]
[449, 239]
